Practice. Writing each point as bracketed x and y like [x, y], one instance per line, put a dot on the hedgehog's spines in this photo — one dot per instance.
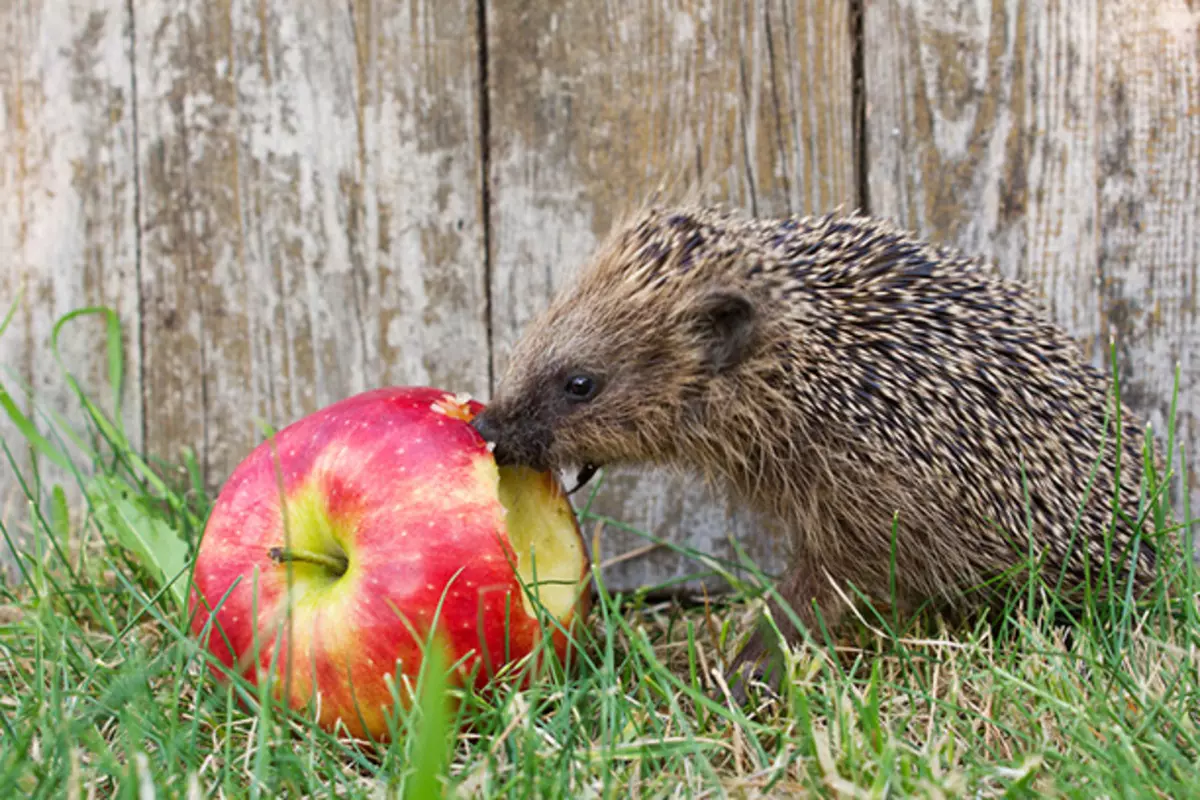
[890, 375]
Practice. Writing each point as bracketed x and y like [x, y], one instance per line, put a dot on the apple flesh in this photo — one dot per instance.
[374, 511]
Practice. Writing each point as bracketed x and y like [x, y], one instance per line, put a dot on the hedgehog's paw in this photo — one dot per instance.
[756, 668]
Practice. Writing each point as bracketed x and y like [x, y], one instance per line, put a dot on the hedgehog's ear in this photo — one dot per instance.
[726, 318]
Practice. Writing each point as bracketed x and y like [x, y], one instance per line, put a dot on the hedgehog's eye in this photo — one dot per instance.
[581, 388]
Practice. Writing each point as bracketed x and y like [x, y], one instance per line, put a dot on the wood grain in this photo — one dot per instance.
[1148, 207]
[312, 225]
[1061, 140]
[283, 201]
[592, 105]
[67, 214]
[947, 85]
[981, 132]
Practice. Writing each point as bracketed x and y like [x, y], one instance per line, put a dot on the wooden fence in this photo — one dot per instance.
[288, 202]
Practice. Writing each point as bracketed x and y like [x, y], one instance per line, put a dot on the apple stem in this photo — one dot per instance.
[336, 564]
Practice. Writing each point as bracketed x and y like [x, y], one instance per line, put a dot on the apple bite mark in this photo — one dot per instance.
[542, 530]
[457, 406]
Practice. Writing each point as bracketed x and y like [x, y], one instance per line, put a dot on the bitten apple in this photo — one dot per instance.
[374, 510]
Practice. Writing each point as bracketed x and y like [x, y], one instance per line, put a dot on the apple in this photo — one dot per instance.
[374, 510]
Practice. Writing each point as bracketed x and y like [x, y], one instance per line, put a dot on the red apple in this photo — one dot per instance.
[390, 497]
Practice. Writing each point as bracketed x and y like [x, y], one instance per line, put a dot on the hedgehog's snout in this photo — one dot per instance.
[516, 441]
[486, 427]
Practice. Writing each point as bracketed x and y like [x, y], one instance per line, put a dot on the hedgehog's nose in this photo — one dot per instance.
[484, 427]
[490, 432]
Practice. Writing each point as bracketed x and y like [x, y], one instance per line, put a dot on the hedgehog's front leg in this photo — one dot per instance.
[760, 660]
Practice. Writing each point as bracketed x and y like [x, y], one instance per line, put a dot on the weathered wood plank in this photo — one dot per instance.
[311, 221]
[947, 85]
[1148, 208]
[1059, 139]
[981, 132]
[591, 105]
[67, 214]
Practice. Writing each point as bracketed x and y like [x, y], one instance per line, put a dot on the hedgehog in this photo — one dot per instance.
[907, 420]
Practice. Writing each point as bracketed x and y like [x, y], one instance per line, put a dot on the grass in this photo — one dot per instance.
[103, 694]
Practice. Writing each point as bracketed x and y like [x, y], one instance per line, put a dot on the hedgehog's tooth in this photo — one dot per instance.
[568, 473]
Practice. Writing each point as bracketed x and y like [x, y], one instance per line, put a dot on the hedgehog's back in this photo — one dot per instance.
[932, 371]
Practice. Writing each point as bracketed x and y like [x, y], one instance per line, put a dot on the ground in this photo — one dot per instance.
[102, 692]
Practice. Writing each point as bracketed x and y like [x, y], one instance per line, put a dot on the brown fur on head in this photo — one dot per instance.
[617, 368]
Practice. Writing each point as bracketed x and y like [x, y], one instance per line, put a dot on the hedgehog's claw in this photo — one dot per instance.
[756, 676]
[755, 664]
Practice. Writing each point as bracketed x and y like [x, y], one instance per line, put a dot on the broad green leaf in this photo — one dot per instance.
[158, 547]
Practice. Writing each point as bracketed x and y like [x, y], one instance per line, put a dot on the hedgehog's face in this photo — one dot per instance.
[602, 380]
